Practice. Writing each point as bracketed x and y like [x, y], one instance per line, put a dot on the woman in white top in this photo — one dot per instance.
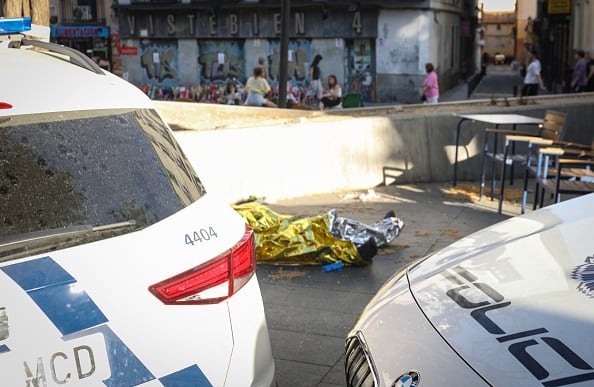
[333, 96]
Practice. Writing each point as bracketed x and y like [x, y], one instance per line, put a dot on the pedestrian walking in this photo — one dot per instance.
[315, 77]
[590, 63]
[579, 78]
[532, 79]
[484, 63]
[430, 85]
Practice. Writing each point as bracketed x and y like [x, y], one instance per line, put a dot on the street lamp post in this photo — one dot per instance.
[284, 54]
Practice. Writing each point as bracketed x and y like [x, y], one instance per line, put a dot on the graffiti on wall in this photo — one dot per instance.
[159, 63]
[361, 73]
[220, 61]
[404, 59]
[300, 54]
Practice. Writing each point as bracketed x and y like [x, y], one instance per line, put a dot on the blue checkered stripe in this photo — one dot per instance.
[75, 314]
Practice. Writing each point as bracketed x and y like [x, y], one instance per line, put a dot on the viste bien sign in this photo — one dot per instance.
[245, 24]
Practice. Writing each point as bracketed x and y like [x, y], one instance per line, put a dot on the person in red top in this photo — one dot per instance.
[430, 85]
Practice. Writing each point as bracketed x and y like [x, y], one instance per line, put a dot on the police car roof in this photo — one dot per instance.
[38, 82]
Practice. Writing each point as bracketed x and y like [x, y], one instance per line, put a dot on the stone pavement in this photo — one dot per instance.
[499, 82]
[309, 312]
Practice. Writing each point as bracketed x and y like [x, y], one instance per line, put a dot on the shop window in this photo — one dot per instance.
[82, 12]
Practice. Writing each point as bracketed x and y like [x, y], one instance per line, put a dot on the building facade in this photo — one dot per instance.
[191, 48]
[553, 41]
[500, 33]
[85, 25]
[582, 17]
[376, 48]
[525, 38]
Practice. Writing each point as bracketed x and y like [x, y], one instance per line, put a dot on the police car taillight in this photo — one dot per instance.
[4, 105]
[213, 281]
[13, 25]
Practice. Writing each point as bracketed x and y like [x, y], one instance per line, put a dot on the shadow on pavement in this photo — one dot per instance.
[310, 312]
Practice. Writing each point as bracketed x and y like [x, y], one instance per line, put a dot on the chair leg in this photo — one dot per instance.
[483, 166]
[526, 175]
[511, 170]
[535, 196]
[493, 175]
[502, 189]
[503, 168]
[525, 192]
[493, 167]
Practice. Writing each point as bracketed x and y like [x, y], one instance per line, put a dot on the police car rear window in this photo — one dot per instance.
[90, 168]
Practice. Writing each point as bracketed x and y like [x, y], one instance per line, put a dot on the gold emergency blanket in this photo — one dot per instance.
[286, 239]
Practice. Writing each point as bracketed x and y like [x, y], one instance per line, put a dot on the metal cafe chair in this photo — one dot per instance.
[551, 132]
[569, 172]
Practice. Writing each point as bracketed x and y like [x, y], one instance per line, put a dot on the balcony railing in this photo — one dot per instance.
[77, 22]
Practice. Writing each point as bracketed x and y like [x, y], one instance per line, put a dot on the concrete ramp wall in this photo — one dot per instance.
[349, 149]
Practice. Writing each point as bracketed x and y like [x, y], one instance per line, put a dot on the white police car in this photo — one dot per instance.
[116, 267]
[511, 305]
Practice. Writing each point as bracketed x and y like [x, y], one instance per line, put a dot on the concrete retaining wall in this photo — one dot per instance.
[354, 149]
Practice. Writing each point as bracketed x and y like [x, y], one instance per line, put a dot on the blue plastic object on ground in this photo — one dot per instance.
[336, 266]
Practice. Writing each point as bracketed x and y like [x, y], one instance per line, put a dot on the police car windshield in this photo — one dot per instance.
[90, 168]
